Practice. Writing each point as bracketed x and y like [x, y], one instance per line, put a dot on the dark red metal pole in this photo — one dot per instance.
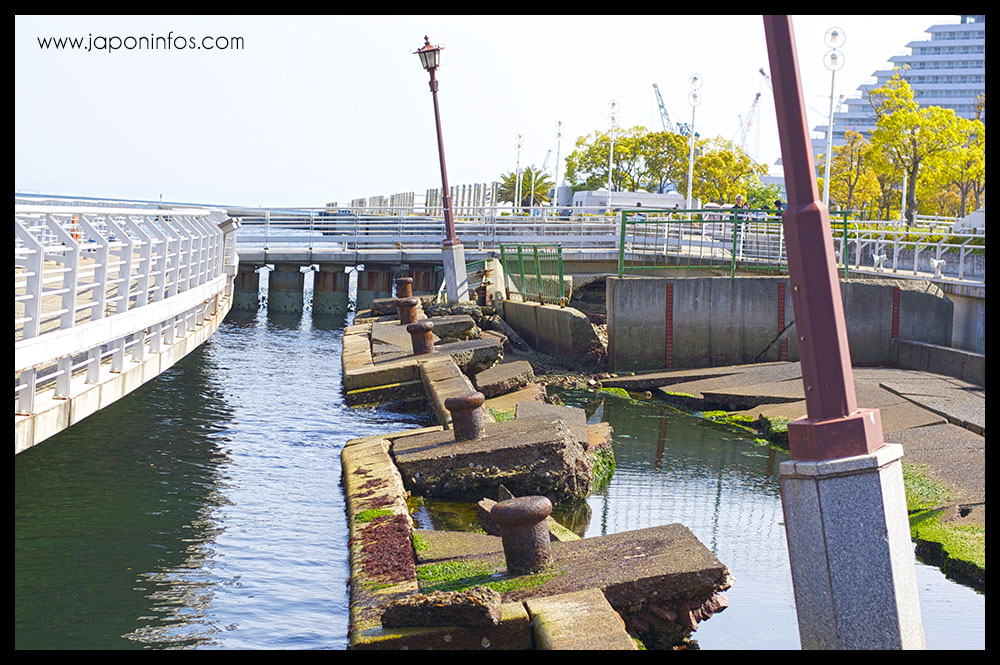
[833, 426]
[449, 223]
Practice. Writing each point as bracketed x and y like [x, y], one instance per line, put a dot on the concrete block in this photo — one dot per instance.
[504, 378]
[579, 620]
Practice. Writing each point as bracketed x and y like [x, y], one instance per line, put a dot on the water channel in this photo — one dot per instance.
[205, 511]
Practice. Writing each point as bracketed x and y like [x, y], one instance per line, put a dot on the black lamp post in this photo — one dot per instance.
[430, 58]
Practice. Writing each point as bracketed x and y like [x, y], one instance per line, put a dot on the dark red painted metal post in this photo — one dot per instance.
[833, 427]
[449, 224]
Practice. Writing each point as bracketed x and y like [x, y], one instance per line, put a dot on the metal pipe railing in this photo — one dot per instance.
[92, 281]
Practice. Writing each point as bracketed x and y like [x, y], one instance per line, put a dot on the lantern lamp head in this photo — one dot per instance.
[430, 55]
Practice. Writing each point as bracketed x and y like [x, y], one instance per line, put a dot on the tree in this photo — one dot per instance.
[888, 179]
[762, 196]
[965, 166]
[909, 133]
[851, 178]
[642, 160]
[722, 172]
[508, 187]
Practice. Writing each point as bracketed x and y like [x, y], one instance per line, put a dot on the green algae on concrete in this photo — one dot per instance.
[604, 468]
[959, 550]
[459, 575]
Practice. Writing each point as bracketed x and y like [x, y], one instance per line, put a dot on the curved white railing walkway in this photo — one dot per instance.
[105, 299]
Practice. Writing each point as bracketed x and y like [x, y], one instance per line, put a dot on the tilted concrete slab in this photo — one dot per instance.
[961, 403]
[503, 378]
[472, 353]
[530, 456]
[661, 580]
[442, 379]
[534, 392]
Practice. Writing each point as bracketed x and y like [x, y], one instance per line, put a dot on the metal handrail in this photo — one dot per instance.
[93, 281]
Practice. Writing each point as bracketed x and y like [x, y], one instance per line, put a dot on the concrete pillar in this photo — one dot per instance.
[455, 277]
[246, 288]
[284, 288]
[373, 282]
[863, 554]
[330, 289]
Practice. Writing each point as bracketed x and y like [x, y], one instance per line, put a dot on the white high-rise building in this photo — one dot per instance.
[947, 70]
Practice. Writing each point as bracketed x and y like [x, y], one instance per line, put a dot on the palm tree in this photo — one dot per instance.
[533, 180]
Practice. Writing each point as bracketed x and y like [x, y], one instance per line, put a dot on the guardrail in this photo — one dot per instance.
[349, 230]
[92, 283]
[537, 271]
[754, 240]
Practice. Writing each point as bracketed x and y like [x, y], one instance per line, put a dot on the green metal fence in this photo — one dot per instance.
[536, 271]
[709, 238]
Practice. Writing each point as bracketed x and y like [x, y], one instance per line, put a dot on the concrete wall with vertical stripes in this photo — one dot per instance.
[674, 323]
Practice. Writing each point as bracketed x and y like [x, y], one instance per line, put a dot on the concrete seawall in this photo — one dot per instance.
[562, 332]
[656, 323]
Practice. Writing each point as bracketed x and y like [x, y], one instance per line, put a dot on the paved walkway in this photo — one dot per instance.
[940, 421]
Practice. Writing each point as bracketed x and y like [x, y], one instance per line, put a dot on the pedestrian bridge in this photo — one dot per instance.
[389, 241]
[108, 294]
[106, 297]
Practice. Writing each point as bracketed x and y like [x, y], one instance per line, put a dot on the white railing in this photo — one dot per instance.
[94, 282]
[349, 229]
[907, 253]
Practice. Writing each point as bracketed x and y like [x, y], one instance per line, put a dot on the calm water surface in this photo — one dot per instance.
[205, 510]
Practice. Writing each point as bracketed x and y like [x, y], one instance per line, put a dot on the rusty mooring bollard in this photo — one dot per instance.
[407, 308]
[524, 532]
[404, 287]
[420, 337]
[467, 417]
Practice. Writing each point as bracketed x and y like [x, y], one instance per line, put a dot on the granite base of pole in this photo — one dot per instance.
[455, 277]
[851, 556]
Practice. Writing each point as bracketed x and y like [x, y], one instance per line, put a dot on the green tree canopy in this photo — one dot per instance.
[909, 134]
[642, 160]
[529, 174]
[722, 171]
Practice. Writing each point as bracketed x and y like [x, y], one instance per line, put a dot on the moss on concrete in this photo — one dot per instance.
[369, 515]
[457, 575]
[921, 491]
[959, 550]
[604, 468]
[502, 416]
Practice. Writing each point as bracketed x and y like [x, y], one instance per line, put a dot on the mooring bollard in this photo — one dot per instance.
[467, 417]
[407, 308]
[524, 532]
[420, 337]
[404, 287]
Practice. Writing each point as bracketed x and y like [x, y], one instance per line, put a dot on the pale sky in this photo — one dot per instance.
[314, 109]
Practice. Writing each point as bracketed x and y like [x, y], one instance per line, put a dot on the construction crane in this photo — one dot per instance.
[745, 125]
[683, 128]
[664, 116]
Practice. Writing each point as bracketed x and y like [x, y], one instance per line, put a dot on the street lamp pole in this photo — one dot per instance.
[555, 198]
[694, 98]
[833, 60]
[452, 250]
[842, 492]
[613, 121]
[518, 144]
